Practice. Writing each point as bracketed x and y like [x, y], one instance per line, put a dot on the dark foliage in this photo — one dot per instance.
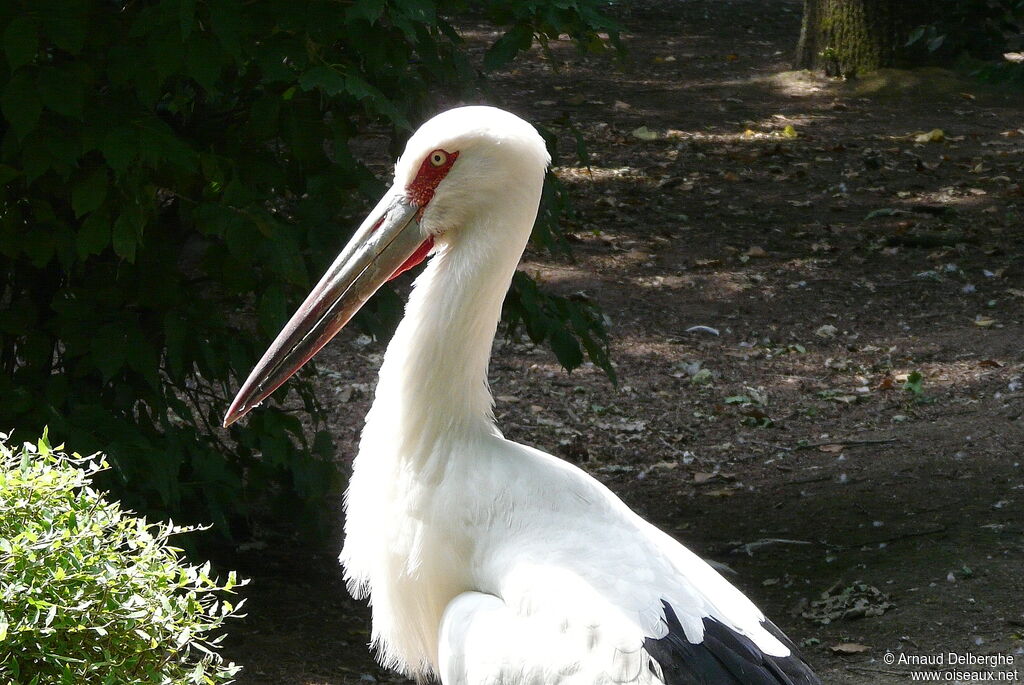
[972, 29]
[173, 174]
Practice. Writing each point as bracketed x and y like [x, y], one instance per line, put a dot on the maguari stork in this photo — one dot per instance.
[487, 562]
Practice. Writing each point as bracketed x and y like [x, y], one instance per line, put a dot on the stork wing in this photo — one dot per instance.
[486, 642]
[580, 590]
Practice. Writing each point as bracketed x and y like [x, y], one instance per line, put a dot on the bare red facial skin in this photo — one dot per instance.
[430, 175]
[421, 192]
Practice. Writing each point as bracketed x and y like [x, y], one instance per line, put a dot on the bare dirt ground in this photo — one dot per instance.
[855, 425]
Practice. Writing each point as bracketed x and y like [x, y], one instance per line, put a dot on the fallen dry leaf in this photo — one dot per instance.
[644, 133]
[990, 363]
[850, 648]
[720, 492]
[886, 383]
[984, 321]
[936, 135]
[831, 448]
[789, 132]
[755, 251]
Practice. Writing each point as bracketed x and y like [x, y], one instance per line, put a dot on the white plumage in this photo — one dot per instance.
[487, 562]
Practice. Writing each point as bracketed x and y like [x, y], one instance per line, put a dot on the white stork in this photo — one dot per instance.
[487, 562]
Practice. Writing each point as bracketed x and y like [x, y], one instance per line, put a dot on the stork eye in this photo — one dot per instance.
[438, 157]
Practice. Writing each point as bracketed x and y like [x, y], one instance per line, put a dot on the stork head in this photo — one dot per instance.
[456, 169]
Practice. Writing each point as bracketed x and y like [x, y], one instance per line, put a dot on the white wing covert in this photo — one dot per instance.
[580, 590]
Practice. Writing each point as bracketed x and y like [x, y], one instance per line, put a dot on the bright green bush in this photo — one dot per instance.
[90, 593]
[173, 176]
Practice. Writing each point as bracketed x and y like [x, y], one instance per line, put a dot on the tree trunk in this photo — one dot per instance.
[850, 37]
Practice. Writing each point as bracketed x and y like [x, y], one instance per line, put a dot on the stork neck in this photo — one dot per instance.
[433, 387]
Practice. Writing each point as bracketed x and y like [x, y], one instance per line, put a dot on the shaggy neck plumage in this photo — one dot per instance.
[433, 388]
[432, 418]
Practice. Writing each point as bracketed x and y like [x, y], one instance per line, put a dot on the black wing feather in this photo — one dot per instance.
[724, 657]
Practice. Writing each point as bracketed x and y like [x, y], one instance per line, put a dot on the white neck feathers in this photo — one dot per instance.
[432, 414]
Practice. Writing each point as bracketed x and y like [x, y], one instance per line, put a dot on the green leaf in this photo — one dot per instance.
[8, 174]
[165, 49]
[142, 358]
[35, 158]
[203, 61]
[120, 146]
[916, 35]
[175, 331]
[566, 348]
[61, 91]
[915, 384]
[375, 99]
[108, 347]
[127, 230]
[186, 17]
[367, 10]
[324, 78]
[323, 444]
[505, 49]
[21, 41]
[273, 309]
[263, 116]
[66, 22]
[228, 23]
[20, 104]
[89, 192]
[94, 235]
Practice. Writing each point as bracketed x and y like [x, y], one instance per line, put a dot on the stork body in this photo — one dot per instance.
[487, 562]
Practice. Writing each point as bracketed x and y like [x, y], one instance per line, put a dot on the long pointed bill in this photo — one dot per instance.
[387, 243]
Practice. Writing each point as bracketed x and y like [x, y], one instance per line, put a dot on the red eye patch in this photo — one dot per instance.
[421, 191]
[432, 171]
